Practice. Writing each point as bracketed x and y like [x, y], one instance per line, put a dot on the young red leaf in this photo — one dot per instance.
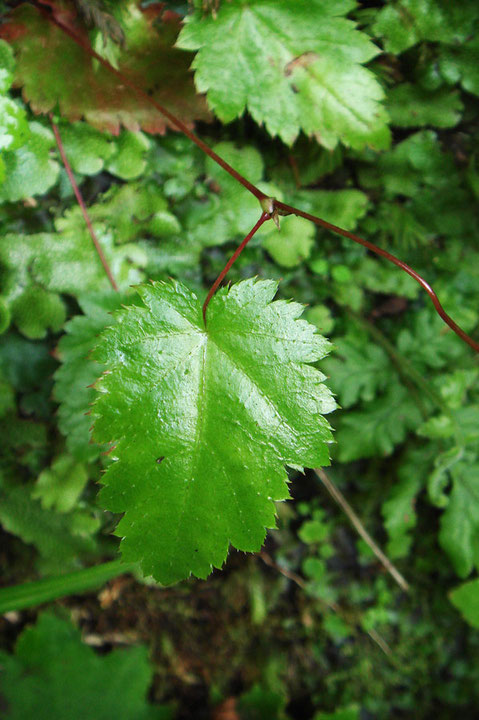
[54, 70]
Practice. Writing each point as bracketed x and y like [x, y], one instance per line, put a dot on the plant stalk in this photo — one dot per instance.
[279, 207]
[82, 205]
[265, 216]
[337, 495]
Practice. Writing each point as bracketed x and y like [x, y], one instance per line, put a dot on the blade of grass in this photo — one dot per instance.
[35, 593]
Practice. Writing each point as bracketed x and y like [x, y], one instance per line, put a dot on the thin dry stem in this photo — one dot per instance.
[337, 495]
[375, 636]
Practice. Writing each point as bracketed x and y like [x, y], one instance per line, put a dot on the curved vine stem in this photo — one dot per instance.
[284, 209]
[176, 122]
[82, 205]
[265, 216]
[279, 207]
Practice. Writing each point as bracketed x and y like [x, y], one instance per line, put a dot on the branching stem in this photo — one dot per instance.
[176, 122]
[265, 216]
[280, 207]
[284, 209]
[82, 205]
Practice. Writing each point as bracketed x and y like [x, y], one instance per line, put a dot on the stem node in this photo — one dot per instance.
[271, 207]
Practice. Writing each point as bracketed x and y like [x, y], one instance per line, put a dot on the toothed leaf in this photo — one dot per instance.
[293, 66]
[52, 69]
[204, 421]
[53, 669]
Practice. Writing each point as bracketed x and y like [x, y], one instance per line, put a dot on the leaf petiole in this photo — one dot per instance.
[265, 216]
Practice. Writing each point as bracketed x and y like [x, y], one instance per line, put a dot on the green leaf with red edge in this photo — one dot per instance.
[54, 70]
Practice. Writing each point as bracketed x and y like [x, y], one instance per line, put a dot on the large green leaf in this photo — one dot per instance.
[293, 66]
[54, 675]
[204, 421]
[77, 373]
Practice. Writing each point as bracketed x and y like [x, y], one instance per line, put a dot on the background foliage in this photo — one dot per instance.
[365, 114]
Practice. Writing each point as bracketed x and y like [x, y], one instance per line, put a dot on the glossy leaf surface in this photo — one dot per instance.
[204, 421]
[293, 66]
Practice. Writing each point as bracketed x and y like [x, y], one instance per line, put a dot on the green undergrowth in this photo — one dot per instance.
[365, 115]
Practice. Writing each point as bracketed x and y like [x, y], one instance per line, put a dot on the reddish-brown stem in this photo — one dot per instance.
[295, 170]
[265, 216]
[283, 208]
[82, 205]
[176, 122]
[290, 210]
